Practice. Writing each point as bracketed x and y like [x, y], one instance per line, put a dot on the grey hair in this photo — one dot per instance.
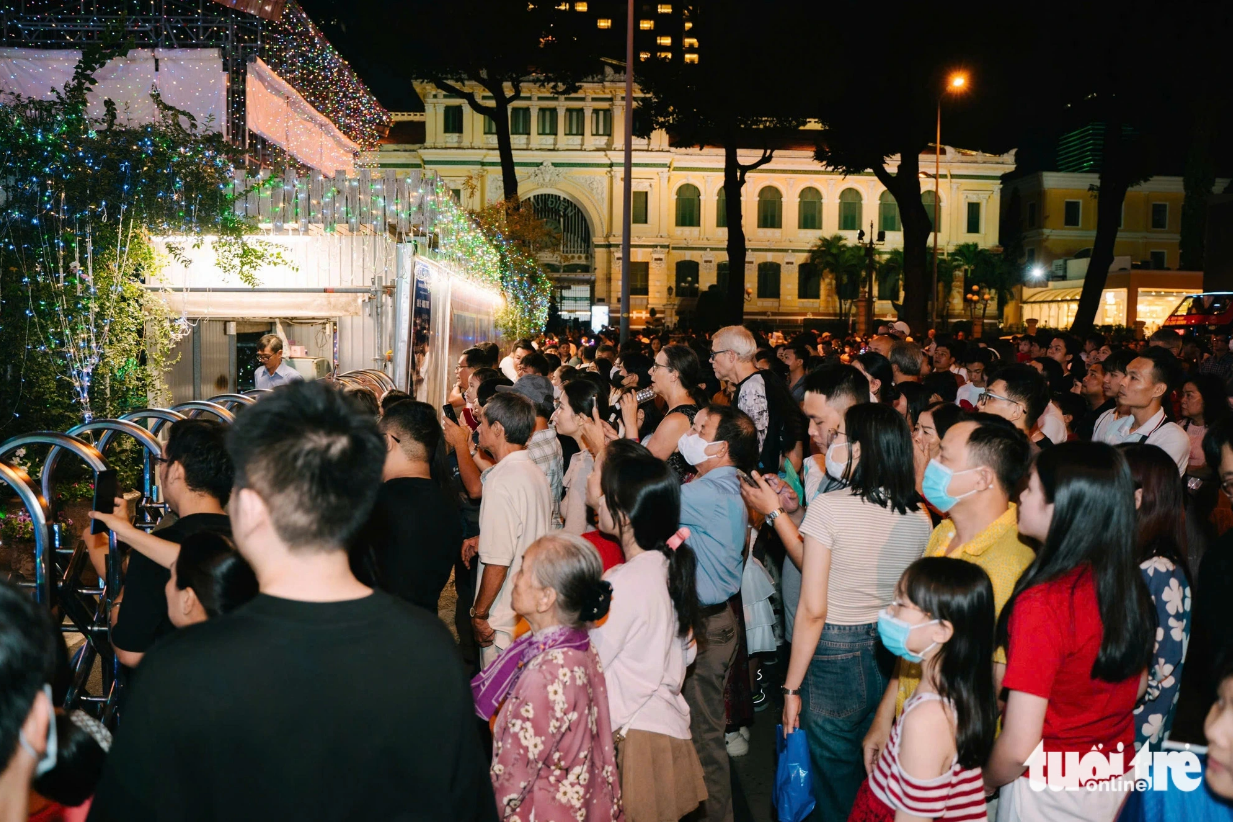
[270, 342]
[738, 340]
[907, 357]
[571, 566]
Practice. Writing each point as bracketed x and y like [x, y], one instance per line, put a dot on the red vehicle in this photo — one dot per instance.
[1203, 313]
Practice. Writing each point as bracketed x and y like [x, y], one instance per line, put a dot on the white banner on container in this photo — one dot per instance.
[278, 113]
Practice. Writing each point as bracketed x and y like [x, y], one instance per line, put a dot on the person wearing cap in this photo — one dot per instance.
[901, 330]
[544, 447]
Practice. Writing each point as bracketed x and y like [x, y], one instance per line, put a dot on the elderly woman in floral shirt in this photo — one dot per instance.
[553, 755]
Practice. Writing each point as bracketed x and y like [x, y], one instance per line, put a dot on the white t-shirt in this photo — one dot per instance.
[643, 657]
[1053, 424]
[870, 548]
[968, 392]
[516, 510]
[1169, 436]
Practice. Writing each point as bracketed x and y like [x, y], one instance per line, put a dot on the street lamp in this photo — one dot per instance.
[957, 83]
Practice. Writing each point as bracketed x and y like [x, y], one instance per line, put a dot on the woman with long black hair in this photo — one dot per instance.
[857, 543]
[647, 641]
[942, 618]
[1078, 631]
[1161, 530]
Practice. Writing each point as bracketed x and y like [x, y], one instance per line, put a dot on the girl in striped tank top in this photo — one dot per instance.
[942, 618]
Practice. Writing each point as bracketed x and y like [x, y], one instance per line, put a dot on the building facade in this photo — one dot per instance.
[569, 153]
[1057, 213]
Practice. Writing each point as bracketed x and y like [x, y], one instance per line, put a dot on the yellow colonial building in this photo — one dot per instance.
[568, 152]
[1058, 216]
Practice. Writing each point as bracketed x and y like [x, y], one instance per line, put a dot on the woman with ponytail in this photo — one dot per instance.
[552, 749]
[647, 642]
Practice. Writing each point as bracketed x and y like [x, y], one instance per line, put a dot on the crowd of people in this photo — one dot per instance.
[954, 555]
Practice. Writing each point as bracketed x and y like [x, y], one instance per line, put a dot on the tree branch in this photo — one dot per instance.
[457, 91]
[767, 154]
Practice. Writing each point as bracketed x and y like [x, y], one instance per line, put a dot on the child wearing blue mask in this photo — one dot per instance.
[942, 618]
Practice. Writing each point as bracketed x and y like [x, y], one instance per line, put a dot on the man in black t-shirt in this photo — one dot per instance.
[194, 474]
[414, 532]
[320, 699]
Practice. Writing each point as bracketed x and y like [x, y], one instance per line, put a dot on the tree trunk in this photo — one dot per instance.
[505, 150]
[1114, 182]
[904, 186]
[733, 183]
[1113, 188]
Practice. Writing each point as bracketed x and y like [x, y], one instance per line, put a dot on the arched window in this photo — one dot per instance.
[770, 208]
[688, 206]
[721, 209]
[935, 217]
[889, 216]
[687, 278]
[808, 282]
[809, 214]
[768, 280]
[850, 210]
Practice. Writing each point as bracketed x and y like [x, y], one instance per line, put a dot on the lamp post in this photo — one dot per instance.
[957, 83]
[627, 194]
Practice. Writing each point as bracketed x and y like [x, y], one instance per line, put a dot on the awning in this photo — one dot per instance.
[1054, 295]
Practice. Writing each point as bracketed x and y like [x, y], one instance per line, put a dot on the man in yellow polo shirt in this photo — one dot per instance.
[978, 470]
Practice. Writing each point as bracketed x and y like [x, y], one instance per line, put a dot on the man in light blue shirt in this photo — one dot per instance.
[273, 372]
[721, 441]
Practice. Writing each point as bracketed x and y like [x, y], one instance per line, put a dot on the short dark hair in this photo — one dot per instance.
[221, 578]
[588, 353]
[1165, 367]
[838, 382]
[952, 347]
[200, 447]
[554, 362]
[28, 657]
[515, 413]
[315, 462]
[738, 430]
[392, 397]
[537, 363]
[525, 345]
[799, 350]
[1119, 360]
[476, 357]
[907, 357]
[975, 353]
[415, 424]
[997, 444]
[1054, 374]
[488, 388]
[1025, 385]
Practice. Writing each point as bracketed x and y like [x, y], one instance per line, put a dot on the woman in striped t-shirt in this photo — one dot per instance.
[942, 618]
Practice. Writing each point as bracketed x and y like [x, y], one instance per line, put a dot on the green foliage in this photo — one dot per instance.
[843, 265]
[81, 335]
[518, 235]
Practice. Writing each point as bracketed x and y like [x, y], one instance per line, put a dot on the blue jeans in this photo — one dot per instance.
[839, 697]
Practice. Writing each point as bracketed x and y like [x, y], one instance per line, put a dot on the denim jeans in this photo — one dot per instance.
[840, 695]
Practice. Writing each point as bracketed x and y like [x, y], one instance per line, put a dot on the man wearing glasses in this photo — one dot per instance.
[1018, 394]
[273, 372]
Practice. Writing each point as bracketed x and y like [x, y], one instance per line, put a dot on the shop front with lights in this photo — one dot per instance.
[1129, 297]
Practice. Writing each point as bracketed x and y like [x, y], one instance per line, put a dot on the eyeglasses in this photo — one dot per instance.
[715, 354]
[655, 365]
[985, 396]
[394, 438]
[264, 357]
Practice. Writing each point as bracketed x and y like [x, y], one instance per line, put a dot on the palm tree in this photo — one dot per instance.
[890, 270]
[842, 263]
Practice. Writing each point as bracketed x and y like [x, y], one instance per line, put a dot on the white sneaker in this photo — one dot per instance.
[736, 743]
[744, 732]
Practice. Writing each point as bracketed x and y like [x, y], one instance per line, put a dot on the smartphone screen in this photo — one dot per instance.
[105, 489]
[448, 411]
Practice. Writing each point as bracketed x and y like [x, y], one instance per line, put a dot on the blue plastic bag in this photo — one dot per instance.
[793, 792]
